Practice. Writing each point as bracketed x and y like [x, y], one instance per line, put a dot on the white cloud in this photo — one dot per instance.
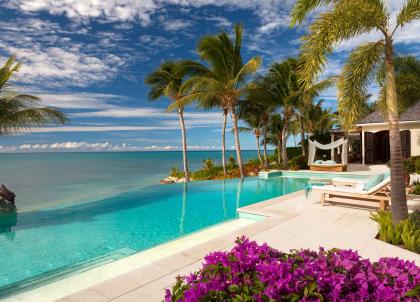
[99, 128]
[175, 25]
[269, 11]
[82, 100]
[97, 146]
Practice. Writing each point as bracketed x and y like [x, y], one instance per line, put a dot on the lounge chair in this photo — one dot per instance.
[376, 189]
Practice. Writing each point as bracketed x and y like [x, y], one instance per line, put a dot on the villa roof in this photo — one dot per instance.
[411, 114]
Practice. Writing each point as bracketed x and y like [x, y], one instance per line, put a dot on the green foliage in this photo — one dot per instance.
[416, 188]
[415, 218]
[417, 165]
[298, 163]
[231, 163]
[406, 232]
[176, 172]
[208, 165]
[409, 166]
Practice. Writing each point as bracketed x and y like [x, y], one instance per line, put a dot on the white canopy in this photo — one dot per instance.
[331, 146]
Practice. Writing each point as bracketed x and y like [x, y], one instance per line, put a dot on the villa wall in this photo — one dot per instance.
[414, 128]
[415, 142]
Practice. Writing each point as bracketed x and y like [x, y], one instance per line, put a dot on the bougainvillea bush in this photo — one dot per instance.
[252, 272]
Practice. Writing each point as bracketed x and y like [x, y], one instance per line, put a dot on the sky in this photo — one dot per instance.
[89, 58]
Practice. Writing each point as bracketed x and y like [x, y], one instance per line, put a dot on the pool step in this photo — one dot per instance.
[62, 272]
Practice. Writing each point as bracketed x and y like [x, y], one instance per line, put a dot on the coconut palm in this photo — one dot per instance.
[225, 79]
[168, 80]
[306, 100]
[262, 98]
[318, 119]
[21, 111]
[407, 80]
[294, 129]
[251, 113]
[343, 20]
[211, 103]
[281, 84]
[276, 133]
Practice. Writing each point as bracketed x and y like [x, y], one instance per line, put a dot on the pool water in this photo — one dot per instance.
[35, 244]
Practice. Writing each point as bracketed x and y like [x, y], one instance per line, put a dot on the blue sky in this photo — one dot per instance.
[90, 57]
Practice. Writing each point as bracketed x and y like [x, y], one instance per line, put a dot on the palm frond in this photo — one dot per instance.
[7, 71]
[249, 68]
[303, 7]
[352, 85]
[409, 12]
[347, 19]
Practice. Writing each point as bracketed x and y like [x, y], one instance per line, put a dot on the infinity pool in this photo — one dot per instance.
[46, 244]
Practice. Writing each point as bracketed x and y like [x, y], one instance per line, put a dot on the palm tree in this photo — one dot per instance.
[262, 99]
[343, 20]
[306, 98]
[225, 78]
[168, 80]
[251, 113]
[407, 80]
[210, 103]
[317, 118]
[276, 133]
[282, 85]
[294, 129]
[21, 111]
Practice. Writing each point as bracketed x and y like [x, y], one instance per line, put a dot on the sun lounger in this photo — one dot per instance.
[379, 192]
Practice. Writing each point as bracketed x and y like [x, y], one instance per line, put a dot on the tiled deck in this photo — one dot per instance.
[292, 221]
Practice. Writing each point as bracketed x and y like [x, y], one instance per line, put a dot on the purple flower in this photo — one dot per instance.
[258, 272]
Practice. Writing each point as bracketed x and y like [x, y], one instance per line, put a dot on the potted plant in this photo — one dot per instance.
[409, 168]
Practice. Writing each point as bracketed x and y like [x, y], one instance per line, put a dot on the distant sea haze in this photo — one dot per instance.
[42, 180]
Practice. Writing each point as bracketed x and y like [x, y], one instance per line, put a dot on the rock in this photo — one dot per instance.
[171, 180]
[6, 195]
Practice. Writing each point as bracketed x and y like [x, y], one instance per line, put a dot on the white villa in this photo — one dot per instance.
[375, 135]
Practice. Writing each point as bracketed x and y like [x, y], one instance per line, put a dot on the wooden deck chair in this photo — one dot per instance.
[380, 193]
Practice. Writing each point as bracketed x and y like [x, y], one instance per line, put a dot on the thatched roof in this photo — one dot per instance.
[411, 114]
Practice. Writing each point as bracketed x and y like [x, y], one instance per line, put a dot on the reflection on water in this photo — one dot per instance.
[7, 222]
[60, 237]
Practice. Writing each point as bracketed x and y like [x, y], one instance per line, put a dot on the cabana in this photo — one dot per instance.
[328, 165]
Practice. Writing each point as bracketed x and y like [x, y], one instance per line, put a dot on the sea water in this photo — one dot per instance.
[43, 180]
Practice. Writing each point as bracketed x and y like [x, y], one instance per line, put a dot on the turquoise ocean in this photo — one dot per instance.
[45, 180]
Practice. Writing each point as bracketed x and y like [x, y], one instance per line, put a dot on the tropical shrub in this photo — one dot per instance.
[208, 165]
[176, 172]
[417, 165]
[253, 272]
[231, 163]
[298, 163]
[416, 189]
[409, 165]
[405, 233]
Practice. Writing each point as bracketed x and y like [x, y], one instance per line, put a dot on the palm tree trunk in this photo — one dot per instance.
[398, 193]
[302, 135]
[184, 144]
[284, 143]
[225, 112]
[279, 149]
[257, 137]
[265, 146]
[237, 143]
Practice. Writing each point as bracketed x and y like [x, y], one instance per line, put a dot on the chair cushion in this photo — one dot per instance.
[318, 162]
[331, 162]
[387, 173]
[373, 181]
